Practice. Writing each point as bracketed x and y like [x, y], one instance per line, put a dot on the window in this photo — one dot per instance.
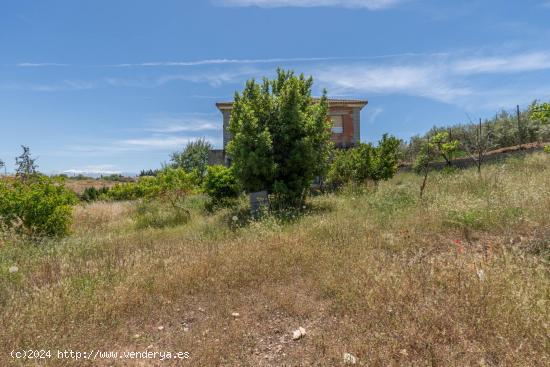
[337, 124]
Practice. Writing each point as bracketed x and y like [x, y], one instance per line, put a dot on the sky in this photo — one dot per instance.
[105, 86]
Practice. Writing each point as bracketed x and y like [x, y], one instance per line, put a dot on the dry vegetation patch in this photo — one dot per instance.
[459, 279]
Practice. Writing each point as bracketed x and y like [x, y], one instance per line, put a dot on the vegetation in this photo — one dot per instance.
[366, 162]
[461, 279]
[26, 165]
[504, 130]
[193, 158]
[221, 185]
[540, 112]
[35, 206]
[280, 138]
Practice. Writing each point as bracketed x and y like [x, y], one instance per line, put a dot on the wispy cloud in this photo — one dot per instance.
[178, 124]
[36, 65]
[222, 62]
[530, 61]
[263, 61]
[62, 86]
[165, 141]
[426, 81]
[367, 4]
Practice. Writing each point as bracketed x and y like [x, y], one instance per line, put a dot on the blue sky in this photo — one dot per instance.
[115, 86]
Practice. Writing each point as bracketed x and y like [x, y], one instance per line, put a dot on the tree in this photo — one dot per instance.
[193, 157]
[476, 141]
[385, 159]
[280, 137]
[2, 164]
[540, 112]
[26, 166]
[444, 146]
[422, 163]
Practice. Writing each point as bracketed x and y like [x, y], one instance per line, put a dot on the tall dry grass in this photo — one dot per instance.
[461, 278]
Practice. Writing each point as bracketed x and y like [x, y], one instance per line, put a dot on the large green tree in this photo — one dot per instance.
[280, 136]
[194, 157]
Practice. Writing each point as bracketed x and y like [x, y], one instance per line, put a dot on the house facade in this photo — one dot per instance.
[345, 116]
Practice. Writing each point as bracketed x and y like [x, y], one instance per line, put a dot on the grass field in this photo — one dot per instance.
[459, 279]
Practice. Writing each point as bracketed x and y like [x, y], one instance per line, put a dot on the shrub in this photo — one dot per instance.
[37, 206]
[165, 198]
[220, 184]
[547, 149]
[156, 214]
[92, 194]
[366, 162]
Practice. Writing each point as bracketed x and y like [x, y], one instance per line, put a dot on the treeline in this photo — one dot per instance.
[505, 129]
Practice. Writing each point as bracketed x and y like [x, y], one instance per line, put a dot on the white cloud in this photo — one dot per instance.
[426, 81]
[177, 124]
[222, 62]
[367, 4]
[164, 141]
[63, 86]
[530, 61]
[35, 65]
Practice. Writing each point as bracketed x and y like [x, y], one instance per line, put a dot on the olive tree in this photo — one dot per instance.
[280, 137]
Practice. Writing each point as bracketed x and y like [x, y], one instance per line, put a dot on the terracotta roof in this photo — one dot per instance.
[331, 102]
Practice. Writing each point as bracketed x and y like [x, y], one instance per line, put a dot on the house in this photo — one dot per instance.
[345, 115]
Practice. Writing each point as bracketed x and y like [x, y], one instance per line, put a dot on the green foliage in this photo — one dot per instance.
[220, 184]
[540, 112]
[92, 194]
[37, 206]
[148, 172]
[194, 157]
[280, 137]
[157, 214]
[547, 149]
[366, 162]
[170, 181]
[385, 159]
[443, 145]
[503, 130]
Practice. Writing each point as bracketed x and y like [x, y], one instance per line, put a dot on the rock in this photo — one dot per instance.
[235, 314]
[480, 274]
[136, 336]
[13, 269]
[185, 329]
[350, 358]
[160, 328]
[201, 309]
[404, 352]
[298, 333]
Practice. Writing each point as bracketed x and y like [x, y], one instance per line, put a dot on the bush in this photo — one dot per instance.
[220, 184]
[156, 214]
[547, 149]
[170, 181]
[38, 206]
[366, 162]
[92, 194]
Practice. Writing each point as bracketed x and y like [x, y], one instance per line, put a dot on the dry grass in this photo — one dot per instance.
[78, 186]
[376, 274]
